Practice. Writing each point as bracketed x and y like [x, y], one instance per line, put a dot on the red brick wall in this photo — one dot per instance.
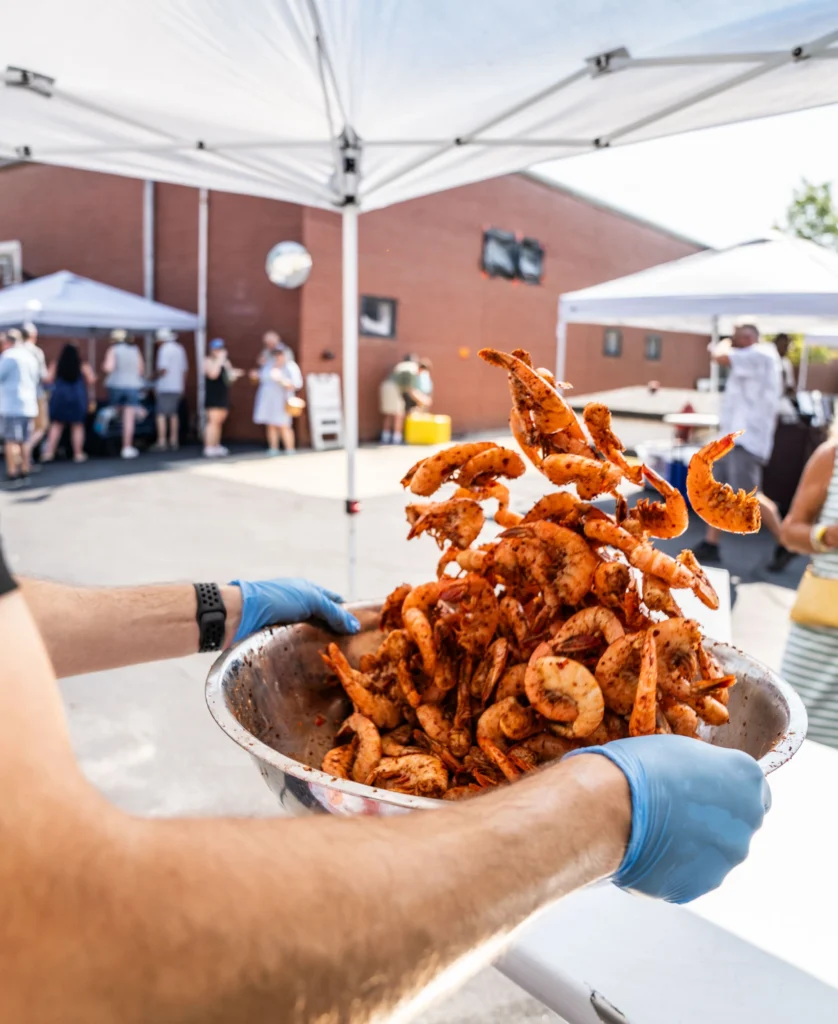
[424, 253]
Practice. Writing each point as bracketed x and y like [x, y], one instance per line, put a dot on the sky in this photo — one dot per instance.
[719, 186]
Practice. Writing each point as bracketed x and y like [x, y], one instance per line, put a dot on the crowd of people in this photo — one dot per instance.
[39, 401]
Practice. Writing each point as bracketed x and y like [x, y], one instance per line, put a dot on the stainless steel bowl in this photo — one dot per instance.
[271, 694]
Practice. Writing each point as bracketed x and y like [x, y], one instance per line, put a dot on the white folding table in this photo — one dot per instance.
[763, 948]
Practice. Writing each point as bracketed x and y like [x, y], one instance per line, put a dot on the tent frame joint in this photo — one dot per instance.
[32, 81]
[350, 167]
[600, 64]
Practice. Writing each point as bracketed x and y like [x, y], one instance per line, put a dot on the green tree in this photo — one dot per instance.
[812, 214]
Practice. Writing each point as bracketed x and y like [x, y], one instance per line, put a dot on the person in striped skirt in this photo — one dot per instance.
[810, 659]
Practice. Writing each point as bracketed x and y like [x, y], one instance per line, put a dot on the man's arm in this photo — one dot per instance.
[88, 629]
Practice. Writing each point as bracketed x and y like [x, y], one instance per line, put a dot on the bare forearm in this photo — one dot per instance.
[88, 629]
[797, 536]
[318, 919]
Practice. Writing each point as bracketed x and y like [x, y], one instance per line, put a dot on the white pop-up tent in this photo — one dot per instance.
[67, 301]
[779, 284]
[355, 104]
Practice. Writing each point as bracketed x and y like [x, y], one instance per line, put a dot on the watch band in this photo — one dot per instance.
[211, 617]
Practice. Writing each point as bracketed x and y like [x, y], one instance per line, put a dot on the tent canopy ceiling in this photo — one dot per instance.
[65, 300]
[781, 284]
[422, 95]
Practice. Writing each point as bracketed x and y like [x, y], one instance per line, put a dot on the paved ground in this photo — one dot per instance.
[144, 735]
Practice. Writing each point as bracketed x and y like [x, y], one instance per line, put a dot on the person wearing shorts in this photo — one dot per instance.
[125, 381]
[400, 392]
[750, 403]
[20, 378]
[170, 373]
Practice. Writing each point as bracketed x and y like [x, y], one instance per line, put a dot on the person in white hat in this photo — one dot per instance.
[170, 374]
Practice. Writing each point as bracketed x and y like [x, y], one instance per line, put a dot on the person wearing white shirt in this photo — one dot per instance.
[750, 403]
[170, 374]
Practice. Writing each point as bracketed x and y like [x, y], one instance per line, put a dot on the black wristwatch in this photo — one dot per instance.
[211, 617]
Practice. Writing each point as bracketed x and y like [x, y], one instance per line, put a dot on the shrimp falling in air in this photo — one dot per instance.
[717, 503]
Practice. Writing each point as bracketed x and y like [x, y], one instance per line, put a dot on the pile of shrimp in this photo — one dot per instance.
[562, 632]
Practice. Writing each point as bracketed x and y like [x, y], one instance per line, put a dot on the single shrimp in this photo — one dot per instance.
[491, 740]
[513, 620]
[518, 722]
[552, 683]
[414, 774]
[641, 554]
[490, 464]
[458, 521]
[369, 744]
[475, 616]
[475, 559]
[590, 476]
[391, 610]
[590, 621]
[669, 518]
[559, 560]
[560, 507]
[512, 683]
[549, 410]
[617, 672]
[462, 792]
[429, 474]
[658, 597]
[702, 587]
[662, 726]
[338, 761]
[416, 612]
[713, 682]
[612, 727]
[407, 684]
[643, 720]
[598, 421]
[378, 708]
[678, 642]
[681, 717]
[717, 503]
[435, 723]
[610, 583]
[489, 671]
[520, 424]
[397, 741]
[710, 710]
[545, 746]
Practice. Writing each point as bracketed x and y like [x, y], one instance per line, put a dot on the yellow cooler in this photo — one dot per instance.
[425, 428]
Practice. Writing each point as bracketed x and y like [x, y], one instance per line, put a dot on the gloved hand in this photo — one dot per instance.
[270, 602]
[694, 808]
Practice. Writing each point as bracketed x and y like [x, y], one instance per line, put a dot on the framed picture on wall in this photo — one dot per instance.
[378, 317]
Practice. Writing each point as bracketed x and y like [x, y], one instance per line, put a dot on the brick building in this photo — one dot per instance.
[425, 254]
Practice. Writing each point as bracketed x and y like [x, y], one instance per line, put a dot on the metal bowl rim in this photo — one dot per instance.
[788, 746]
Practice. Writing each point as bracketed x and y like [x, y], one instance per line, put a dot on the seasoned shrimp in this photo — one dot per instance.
[391, 610]
[518, 722]
[552, 683]
[415, 774]
[610, 583]
[558, 559]
[338, 761]
[378, 708]
[643, 720]
[710, 710]
[617, 671]
[561, 507]
[701, 587]
[513, 621]
[640, 553]
[658, 597]
[590, 476]
[462, 792]
[491, 740]
[416, 612]
[458, 521]
[681, 717]
[407, 684]
[489, 671]
[549, 410]
[669, 518]
[369, 744]
[435, 723]
[678, 641]
[612, 727]
[598, 421]
[512, 683]
[717, 503]
[429, 474]
[490, 464]
[397, 741]
[545, 746]
[590, 621]
[475, 615]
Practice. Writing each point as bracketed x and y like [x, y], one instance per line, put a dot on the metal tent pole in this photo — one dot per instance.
[201, 333]
[148, 265]
[561, 345]
[350, 377]
[714, 366]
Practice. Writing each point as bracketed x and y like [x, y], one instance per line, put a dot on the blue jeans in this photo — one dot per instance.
[123, 396]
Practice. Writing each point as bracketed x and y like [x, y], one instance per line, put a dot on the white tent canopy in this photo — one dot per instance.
[65, 300]
[355, 104]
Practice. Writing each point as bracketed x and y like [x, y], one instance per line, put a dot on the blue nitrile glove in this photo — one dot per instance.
[269, 602]
[694, 808]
